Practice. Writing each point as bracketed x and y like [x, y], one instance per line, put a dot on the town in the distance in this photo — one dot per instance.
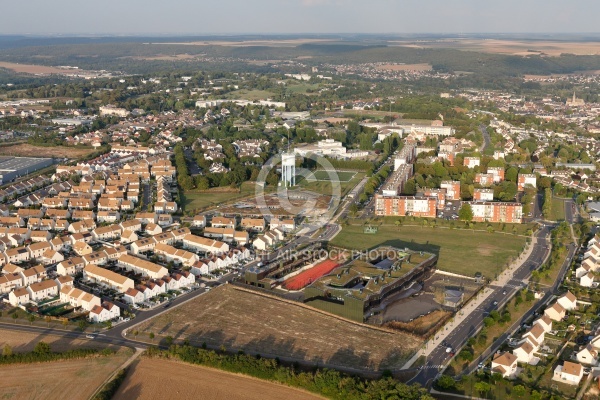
[305, 219]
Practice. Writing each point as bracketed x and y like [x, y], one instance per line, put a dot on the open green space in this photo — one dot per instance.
[249, 94]
[558, 209]
[325, 186]
[195, 200]
[460, 251]
[342, 176]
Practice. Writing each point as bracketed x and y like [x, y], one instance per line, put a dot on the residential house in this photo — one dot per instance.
[42, 290]
[9, 282]
[568, 301]
[556, 312]
[199, 221]
[569, 373]
[70, 266]
[505, 364]
[18, 297]
[51, 257]
[253, 224]
[588, 355]
[222, 222]
[139, 266]
[197, 243]
[108, 278]
[524, 353]
[545, 322]
[133, 296]
[170, 253]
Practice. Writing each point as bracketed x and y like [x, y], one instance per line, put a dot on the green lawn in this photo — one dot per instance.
[342, 176]
[558, 209]
[249, 94]
[460, 251]
[196, 200]
[324, 186]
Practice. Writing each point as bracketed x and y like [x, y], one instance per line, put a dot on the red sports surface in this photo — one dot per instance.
[308, 276]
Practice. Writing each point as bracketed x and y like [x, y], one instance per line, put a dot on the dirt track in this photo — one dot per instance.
[148, 379]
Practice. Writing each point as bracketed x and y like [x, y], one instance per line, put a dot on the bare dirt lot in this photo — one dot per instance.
[28, 150]
[404, 67]
[22, 342]
[73, 379]
[147, 380]
[238, 319]
[515, 47]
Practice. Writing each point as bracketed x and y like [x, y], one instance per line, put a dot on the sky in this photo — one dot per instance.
[176, 17]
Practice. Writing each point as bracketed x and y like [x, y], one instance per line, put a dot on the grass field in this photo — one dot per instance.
[342, 176]
[196, 200]
[249, 94]
[238, 319]
[71, 379]
[558, 209]
[324, 187]
[460, 251]
[147, 380]
[28, 150]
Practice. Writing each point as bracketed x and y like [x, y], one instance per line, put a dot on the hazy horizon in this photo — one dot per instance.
[308, 17]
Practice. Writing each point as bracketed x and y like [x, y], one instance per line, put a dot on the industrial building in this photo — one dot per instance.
[15, 167]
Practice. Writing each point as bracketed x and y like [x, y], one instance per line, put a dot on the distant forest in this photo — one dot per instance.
[130, 55]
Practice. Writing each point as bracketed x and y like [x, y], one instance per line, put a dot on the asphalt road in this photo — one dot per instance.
[458, 337]
[487, 142]
[570, 211]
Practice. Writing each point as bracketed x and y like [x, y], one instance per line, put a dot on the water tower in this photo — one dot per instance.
[288, 169]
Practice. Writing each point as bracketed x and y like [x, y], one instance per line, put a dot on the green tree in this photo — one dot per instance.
[82, 325]
[465, 213]
[446, 382]
[519, 390]
[511, 174]
[151, 335]
[15, 316]
[7, 351]
[31, 318]
[42, 348]
[482, 387]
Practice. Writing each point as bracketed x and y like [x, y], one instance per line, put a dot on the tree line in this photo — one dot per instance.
[329, 383]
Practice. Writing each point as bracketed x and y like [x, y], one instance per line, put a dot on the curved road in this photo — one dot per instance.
[487, 141]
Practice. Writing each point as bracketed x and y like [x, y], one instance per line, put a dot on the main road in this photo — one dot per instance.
[474, 319]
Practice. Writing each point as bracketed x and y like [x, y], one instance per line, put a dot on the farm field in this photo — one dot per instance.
[514, 47]
[72, 379]
[242, 320]
[308, 276]
[38, 69]
[460, 251]
[22, 342]
[147, 380]
[28, 150]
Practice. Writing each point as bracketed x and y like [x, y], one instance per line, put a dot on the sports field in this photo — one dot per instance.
[460, 251]
[308, 276]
